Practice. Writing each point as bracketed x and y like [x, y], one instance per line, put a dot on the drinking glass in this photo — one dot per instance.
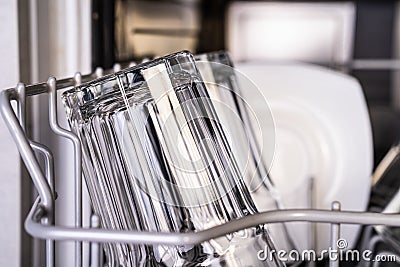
[156, 158]
[254, 145]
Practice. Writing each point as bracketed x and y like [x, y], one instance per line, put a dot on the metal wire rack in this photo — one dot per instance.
[40, 220]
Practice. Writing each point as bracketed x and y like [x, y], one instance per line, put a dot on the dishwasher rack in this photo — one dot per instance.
[40, 220]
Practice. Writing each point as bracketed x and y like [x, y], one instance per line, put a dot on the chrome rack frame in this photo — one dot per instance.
[40, 220]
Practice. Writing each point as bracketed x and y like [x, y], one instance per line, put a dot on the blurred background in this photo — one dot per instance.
[40, 38]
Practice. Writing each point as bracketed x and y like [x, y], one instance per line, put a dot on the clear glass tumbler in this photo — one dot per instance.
[156, 158]
[253, 145]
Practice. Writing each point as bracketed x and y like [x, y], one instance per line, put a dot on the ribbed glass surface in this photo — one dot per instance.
[254, 145]
[156, 158]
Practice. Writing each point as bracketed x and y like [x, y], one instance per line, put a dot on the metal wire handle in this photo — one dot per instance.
[39, 222]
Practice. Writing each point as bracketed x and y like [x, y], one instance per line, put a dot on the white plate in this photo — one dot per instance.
[322, 131]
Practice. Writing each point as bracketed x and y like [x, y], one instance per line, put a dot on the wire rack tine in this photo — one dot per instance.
[52, 91]
[78, 183]
[95, 257]
[116, 67]
[21, 89]
[49, 166]
[99, 72]
[335, 235]
[40, 148]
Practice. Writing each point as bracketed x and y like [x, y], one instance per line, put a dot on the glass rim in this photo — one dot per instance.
[148, 64]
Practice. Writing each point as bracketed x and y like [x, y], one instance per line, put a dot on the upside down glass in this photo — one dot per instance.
[242, 125]
[156, 158]
[254, 146]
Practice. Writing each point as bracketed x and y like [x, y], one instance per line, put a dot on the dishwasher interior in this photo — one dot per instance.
[307, 73]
